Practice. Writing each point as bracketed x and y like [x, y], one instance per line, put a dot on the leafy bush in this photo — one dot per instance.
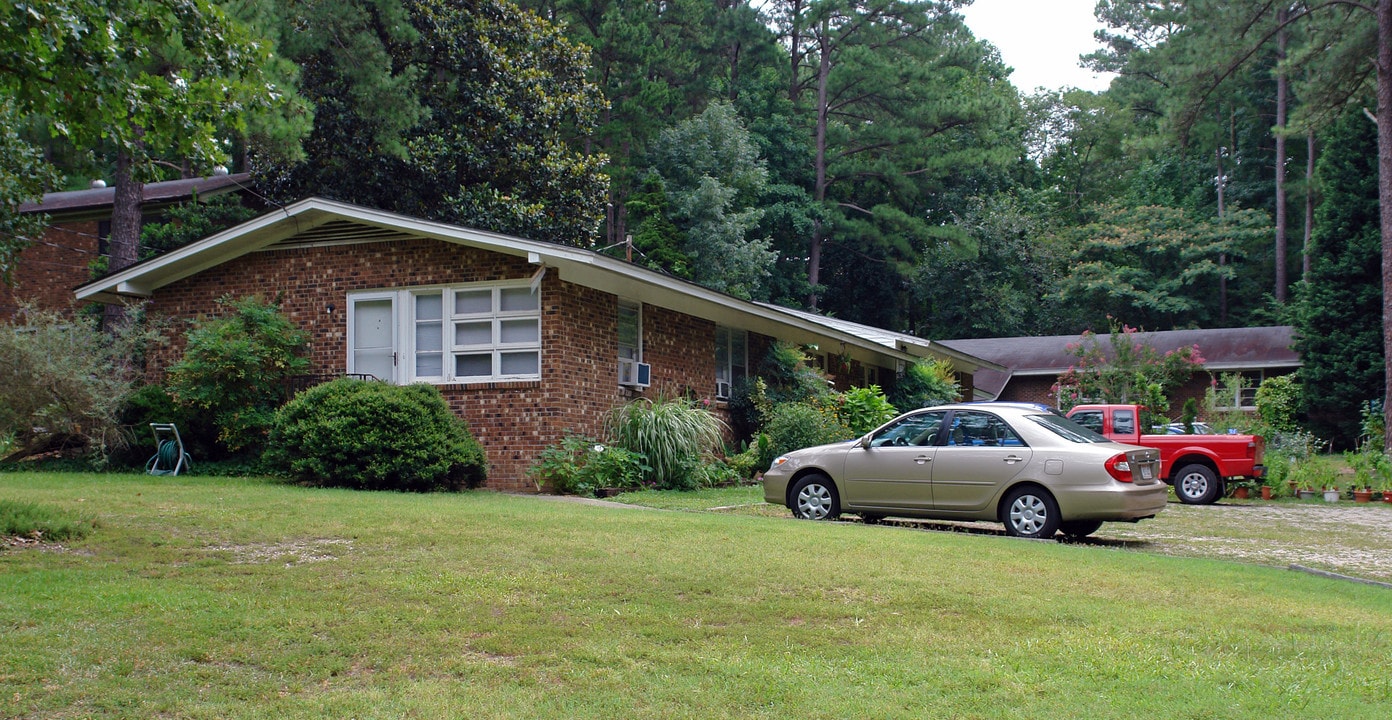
[789, 377]
[236, 367]
[579, 465]
[749, 403]
[41, 522]
[153, 403]
[864, 409]
[1278, 403]
[674, 435]
[63, 381]
[374, 436]
[793, 426]
[926, 383]
[1373, 427]
[191, 221]
[1371, 469]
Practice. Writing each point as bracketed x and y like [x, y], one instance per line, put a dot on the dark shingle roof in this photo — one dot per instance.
[1223, 349]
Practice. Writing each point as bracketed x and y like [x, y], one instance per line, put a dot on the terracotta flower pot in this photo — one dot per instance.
[1266, 492]
[1240, 492]
[1362, 496]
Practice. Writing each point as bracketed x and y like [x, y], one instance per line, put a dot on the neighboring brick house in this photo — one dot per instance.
[1033, 364]
[47, 272]
[527, 340]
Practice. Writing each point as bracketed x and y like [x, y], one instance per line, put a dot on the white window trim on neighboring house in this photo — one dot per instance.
[1246, 398]
[438, 331]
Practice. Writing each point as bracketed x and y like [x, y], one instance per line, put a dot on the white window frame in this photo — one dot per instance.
[405, 331]
[726, 346]
[637, 308]
[1246, 398]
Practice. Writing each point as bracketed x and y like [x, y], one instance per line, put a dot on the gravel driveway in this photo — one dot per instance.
[1344, 538]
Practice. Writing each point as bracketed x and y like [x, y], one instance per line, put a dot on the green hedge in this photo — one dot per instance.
[374, 436]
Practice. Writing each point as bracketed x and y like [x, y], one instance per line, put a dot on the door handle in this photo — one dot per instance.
[923, 459]
[1012, 459]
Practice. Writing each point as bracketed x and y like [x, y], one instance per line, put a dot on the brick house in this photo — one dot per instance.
[1032, 364]
[527, 340]
[47, 271]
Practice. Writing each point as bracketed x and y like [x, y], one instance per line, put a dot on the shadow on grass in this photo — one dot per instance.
[985, 528]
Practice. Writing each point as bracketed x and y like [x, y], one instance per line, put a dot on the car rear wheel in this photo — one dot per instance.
[1030, 512]
[1080, 528]
[1197, 485]
[814, 498]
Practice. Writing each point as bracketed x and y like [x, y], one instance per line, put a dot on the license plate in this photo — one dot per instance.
[1146, 473]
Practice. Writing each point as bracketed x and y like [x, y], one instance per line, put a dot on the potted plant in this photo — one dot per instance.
[1241, 490]
[1331, 493]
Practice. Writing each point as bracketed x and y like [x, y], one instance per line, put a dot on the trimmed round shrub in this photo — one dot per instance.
[370, 435]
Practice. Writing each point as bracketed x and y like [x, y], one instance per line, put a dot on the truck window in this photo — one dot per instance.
[1123, 422]
[1090, 419]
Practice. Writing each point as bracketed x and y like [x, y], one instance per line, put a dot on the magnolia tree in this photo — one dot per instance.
[1125, 368]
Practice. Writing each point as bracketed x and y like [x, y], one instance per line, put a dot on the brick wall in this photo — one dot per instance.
[48, 271]
[513, 420]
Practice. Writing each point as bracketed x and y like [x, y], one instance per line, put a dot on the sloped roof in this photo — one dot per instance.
[95, 202]
[318, 221]
[1223, 350]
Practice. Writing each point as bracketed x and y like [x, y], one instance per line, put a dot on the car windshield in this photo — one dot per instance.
[1067, 429]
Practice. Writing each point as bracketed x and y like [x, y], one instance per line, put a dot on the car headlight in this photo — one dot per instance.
[779, 461]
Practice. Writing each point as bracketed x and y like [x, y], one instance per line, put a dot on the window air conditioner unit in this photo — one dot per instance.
[634, 373]
[722, 390]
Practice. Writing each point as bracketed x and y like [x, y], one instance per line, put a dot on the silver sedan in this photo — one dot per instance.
[1034, 471]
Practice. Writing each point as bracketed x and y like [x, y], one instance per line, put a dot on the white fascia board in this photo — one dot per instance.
[625, 280]
[141, 279]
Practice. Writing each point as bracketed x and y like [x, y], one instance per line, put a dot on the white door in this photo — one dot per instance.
[372, 337]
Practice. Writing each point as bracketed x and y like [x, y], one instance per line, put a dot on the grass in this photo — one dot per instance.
[240, 598]
[39, 522]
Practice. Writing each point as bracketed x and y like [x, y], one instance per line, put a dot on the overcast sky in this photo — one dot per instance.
[1041, 39]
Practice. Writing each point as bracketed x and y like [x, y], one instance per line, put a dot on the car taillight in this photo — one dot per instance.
[1119, 468]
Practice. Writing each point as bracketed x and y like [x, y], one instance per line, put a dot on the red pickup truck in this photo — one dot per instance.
[1196, 465]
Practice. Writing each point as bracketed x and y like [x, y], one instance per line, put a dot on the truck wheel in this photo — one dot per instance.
[1197, 485]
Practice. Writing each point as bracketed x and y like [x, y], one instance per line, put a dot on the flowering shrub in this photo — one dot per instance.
[1125, 370]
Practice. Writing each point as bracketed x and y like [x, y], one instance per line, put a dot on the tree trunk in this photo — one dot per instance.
[1384, 117]
[1222, 257]
[1282, 90]
[123, 244]
[814, 251]
[1309, 204]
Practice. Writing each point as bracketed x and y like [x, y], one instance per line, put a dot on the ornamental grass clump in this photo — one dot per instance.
[370, 435]
[676, 437]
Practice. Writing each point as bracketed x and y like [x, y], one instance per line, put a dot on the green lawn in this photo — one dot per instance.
[240, 598]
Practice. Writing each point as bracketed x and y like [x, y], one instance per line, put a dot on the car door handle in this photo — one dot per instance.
[1012, 459]
[923, 459]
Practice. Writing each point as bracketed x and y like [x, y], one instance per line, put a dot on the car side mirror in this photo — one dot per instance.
[864, 442]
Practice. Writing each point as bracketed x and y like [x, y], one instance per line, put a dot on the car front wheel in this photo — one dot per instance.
[1197, 485]
[814, 498]
[1030, 513]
